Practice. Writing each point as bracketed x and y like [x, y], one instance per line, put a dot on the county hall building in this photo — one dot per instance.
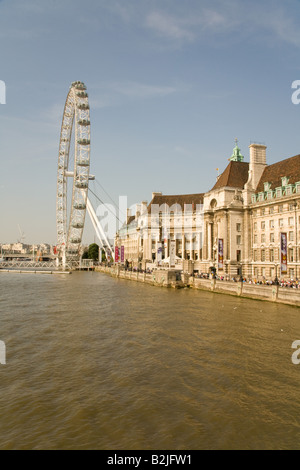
[247, 224]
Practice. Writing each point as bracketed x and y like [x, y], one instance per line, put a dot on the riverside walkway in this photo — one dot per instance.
[177, 279]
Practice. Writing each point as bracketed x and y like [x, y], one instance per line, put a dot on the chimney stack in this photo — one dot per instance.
[257, 165]
[156, 194]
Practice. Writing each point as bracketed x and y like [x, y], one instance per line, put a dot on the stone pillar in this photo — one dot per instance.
[167, 247]
[246, 250]
[205, 237]
[209, 237]
[227, 236]
[192, 248]
[183, 247]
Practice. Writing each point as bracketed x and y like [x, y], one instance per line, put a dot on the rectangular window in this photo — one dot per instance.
[280, 222]
[292, 273]
[291, 255]
[291, 221]
[263, 272]
[272, 237]
[238, 239]
[263, 255]
[263, 211]
[280, 208]
[238, 227]
[263, 225]
[271, 255]
[263, 238]
[255, 239]
[271, 223]
[291, 236]
[238, 255]
[255, 224]
[255, 255]
[271, 210]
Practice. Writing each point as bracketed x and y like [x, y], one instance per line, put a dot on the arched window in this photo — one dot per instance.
[213, 204]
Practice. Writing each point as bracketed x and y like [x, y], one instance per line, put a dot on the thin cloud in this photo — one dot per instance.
[187, 26]
[140, 90]
[116, 93]
[259, 20]
[284, 28]
[169, 26]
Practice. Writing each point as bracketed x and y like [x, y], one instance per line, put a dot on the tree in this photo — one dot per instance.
[93, 252]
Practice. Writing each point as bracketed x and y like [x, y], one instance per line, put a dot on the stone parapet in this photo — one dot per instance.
[176, 279]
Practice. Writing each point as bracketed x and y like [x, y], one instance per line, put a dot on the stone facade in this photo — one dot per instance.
[234, 229]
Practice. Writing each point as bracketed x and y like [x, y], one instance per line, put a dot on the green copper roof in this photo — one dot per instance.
[236, 156]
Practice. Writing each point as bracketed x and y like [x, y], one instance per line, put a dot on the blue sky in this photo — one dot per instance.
[171, 84]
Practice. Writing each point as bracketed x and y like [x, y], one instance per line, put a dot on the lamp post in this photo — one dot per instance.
[276, 282]
[215, 261]
[241, 272]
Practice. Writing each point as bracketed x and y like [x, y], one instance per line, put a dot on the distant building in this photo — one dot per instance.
[14, 247]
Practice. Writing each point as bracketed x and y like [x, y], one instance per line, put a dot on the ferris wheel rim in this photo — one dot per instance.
[75, 116]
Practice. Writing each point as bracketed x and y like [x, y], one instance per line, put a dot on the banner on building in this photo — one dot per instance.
[159, 253]
[283, 253]
[116, 254]
[122, 254]
[220, 254]
[172, 253]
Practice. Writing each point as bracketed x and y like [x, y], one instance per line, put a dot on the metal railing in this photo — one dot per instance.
[14, 264]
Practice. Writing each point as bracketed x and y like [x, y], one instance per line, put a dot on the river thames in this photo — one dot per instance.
[94, 362]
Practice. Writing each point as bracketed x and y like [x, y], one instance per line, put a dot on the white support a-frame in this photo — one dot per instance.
[98, 228]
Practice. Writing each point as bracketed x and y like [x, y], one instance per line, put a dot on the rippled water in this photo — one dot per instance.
[99, 363]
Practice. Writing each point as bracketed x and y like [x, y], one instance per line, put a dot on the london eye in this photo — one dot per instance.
[70, 215]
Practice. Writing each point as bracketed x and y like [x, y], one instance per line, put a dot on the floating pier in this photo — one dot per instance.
[33, 271]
